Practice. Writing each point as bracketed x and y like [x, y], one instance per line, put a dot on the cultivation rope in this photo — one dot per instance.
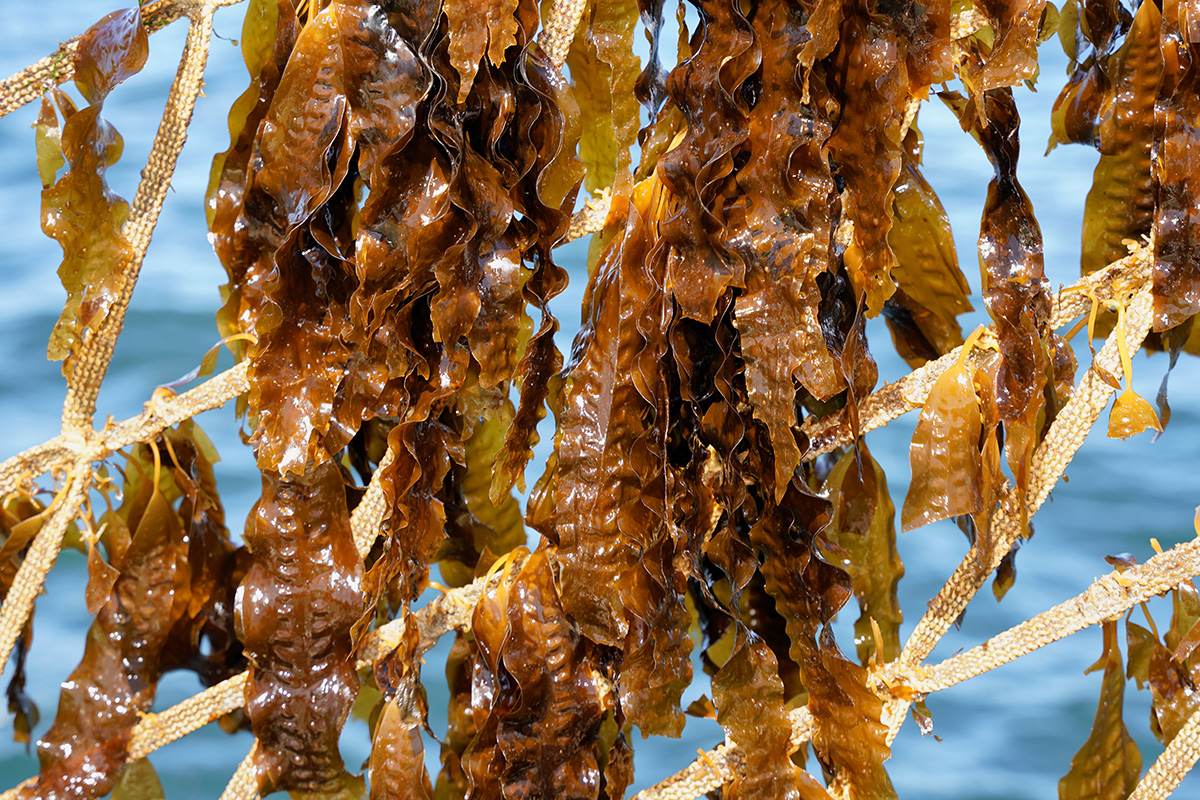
[1175, 762]
[80, 445]
[453, 610]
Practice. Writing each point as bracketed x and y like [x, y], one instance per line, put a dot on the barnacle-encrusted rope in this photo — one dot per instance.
[1107, 598]
[371, 510]
[244, 783]
[591, 217]
[161, 412]
[95, 350]
[155, 730]
[710, 771]
[1066, 435]
[80, 451]
[40, 558]
[18, 471]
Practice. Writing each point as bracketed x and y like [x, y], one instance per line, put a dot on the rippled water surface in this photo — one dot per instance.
[1008, 734]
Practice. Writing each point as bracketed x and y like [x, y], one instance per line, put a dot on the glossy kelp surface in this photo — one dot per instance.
[162, 600]
[296, 605]
[398, 178]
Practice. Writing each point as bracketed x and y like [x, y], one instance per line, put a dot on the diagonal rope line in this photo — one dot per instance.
[90, 363]
[1107, 598]
[244, 783]
[1062, 442]
[1113, 282]
[712, 770]
[367, 518]
[18, 472]
[1066, 435]
[155, 730]
[41, 557]
[160, 414]
[1050, 460]
[1176, 761]
[559, 30]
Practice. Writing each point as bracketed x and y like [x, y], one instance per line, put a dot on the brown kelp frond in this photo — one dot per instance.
[389, 211]
[450, 612]
[1169, 769]
[1108, 598]
[1049, 461]
[454, 610]
[1117, 281]
[88, 365]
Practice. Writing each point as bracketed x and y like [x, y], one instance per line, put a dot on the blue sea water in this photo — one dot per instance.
[1008, 734]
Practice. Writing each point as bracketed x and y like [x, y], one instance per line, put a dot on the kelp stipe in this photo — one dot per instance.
[398, 179]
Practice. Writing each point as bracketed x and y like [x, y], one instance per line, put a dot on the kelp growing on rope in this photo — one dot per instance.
[398, 179]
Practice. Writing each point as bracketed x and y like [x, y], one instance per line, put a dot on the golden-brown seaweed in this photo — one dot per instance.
[79, 210]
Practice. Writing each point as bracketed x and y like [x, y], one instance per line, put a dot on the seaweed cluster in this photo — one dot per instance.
[398, 178]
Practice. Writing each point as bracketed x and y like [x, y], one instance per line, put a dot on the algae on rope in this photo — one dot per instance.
[398, 180]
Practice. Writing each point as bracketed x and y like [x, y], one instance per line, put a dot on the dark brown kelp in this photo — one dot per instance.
[397, 763]
[398, 179]
[1121, 203]
[1176, 170]
[542, 733]
[166, 585]
[931, 290]
[297, 604]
